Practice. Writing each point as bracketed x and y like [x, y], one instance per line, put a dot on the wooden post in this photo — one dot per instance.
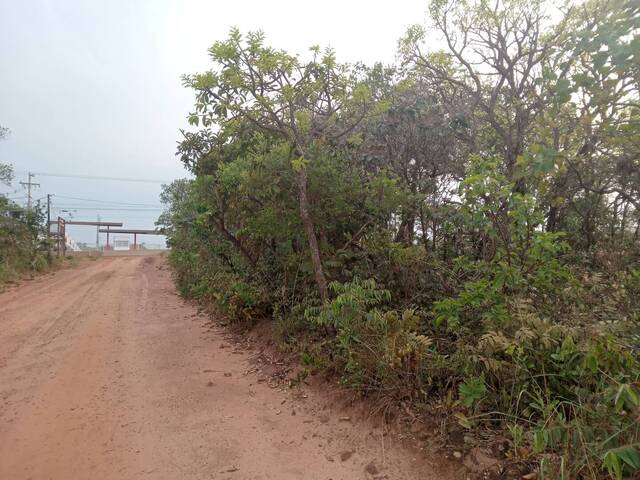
[63, 239]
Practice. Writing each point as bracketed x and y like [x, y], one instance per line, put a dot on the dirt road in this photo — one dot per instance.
[105, 373]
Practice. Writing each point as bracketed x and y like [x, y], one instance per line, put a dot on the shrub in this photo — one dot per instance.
[377, 349]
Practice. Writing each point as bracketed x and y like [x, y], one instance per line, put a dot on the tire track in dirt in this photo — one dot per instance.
[66, 308]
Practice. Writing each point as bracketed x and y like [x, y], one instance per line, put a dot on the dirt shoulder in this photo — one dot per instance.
[106, 373]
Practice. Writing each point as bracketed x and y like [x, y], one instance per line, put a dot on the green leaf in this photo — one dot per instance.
[539, 441]
[472, 391]
[615, 458]
[630, 456]
[299, 163]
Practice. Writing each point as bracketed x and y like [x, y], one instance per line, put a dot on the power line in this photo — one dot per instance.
[98, 177]
[115, 209]
[110, 202]
[122, 216]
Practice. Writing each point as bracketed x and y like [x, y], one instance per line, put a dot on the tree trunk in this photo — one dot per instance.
[222, 228]
[552, 219]
[309, 229]
[406, 229]
[623, 225]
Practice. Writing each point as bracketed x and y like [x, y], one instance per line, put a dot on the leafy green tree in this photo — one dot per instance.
[496, 55]
[306, 104]
[6, 172]
[413, 140]
[595, 124]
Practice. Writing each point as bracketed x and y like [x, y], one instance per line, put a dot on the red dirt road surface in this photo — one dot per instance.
[105, 373]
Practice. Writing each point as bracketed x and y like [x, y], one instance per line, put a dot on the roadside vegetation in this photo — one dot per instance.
[456, 233]
[23, 246]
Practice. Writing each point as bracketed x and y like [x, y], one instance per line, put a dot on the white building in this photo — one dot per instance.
[121, 243]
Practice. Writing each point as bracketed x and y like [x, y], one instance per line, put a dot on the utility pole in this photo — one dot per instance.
[29, 184]
[49, 224]
[98, 235]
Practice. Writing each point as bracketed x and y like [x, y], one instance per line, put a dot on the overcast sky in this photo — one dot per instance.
[93, 88]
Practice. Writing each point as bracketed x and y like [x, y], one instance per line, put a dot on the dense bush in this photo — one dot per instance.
[23, 245]
[460, 230]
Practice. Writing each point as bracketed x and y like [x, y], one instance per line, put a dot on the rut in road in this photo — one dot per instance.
[105, 373]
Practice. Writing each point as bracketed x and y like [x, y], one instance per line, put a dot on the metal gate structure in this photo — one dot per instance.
[58, 232]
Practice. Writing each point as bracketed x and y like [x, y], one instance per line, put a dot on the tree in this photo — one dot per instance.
[6, 174]
[558, 102]
[6, 171]
[309, 105]
[497, 53]
[596, 134]
[413, 139]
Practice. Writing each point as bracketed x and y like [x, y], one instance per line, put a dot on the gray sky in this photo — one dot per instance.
[93, 88]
